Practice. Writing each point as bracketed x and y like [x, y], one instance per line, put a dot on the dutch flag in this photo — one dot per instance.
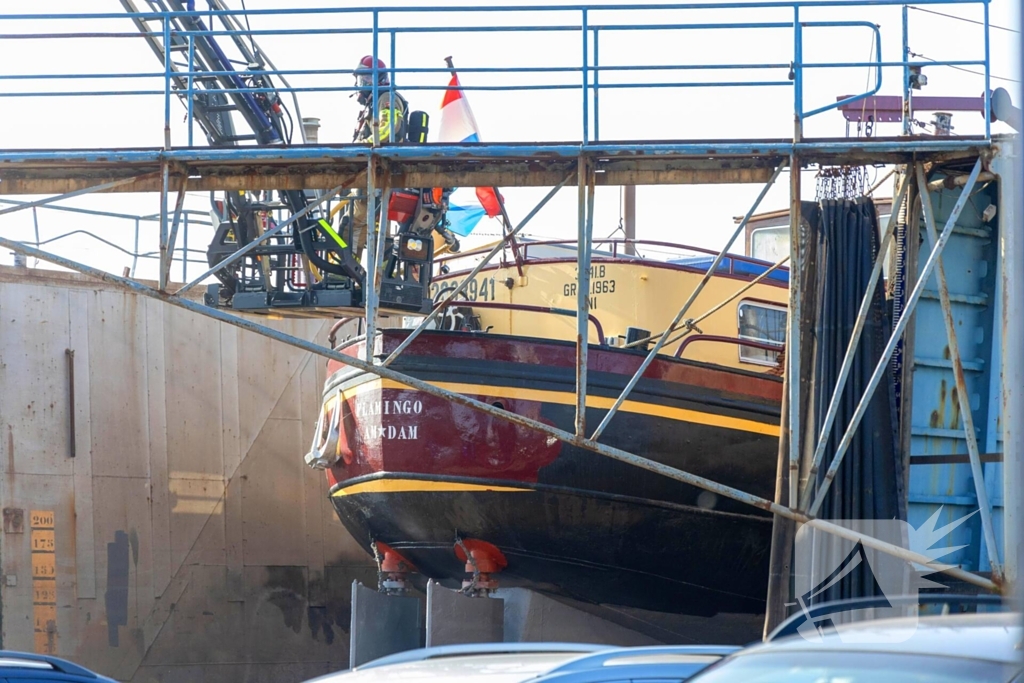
[458, 126]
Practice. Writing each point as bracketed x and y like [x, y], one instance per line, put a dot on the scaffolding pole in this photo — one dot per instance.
[372, 235]
[585, 230]
[168, 252]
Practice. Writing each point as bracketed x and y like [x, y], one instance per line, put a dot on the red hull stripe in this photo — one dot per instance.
[600, 402]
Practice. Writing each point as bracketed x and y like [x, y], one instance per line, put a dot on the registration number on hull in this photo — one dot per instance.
[478, 289]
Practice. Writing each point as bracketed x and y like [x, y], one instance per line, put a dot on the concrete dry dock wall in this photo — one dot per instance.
[173, 533]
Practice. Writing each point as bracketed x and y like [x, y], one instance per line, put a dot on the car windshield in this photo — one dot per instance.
[854, 667]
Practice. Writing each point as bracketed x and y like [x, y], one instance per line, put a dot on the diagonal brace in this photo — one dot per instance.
[167, 250]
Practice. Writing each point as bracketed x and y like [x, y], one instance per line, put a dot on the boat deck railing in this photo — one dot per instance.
[776, 347]
[527, 308]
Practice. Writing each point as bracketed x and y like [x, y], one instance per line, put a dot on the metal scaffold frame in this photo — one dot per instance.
[591, 163]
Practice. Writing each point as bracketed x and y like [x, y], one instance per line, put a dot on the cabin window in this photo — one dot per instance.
[763, 323]
[770, 244]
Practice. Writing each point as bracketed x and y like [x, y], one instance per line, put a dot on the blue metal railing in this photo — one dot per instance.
[593, 76]
[184, 253]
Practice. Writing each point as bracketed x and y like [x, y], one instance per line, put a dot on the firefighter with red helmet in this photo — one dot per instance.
[391, 117]
[391, 123]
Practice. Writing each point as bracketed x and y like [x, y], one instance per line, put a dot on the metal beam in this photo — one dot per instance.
[89, 189]
[732, 297]
[165, 262]
[167, 249]
[476, 271]
[460, 399]
[585, 211]
[322, 166]
[794, 320]
[541, 173]
[682, 311]
[894, 338]
[851, 347]
[219, 182]
[966, 414]
[371, 295]
[262, 238]
[428, 388]
[627, 215]
[1011, 239]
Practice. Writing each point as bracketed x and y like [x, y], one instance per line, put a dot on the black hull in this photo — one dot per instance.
[569, 521]
[596, 548]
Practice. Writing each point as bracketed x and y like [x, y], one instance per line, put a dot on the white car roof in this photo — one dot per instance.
[994, 637]
[472, 668]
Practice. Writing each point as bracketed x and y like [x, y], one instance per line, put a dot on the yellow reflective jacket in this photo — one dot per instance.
[388, 133]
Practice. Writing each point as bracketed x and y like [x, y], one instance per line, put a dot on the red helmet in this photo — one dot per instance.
[364, 72]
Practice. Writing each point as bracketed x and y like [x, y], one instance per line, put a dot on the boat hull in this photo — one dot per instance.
[595, 548]
[417, 471]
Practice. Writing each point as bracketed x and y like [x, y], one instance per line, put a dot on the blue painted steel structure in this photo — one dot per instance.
[936, 423]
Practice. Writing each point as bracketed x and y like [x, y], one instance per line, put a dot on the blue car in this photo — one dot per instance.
[23, 667]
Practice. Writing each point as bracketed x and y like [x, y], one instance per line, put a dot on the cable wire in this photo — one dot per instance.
[960, 68]
[953, 16]
[252, 41]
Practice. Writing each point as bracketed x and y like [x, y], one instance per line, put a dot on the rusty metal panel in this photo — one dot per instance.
[936, 423]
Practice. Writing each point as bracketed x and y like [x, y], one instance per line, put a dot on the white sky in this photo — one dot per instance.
[697, 215]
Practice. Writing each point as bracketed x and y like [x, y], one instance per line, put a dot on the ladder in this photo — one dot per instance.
[213, 100]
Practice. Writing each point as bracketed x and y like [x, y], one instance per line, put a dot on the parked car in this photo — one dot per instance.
[535, 663]
[981, 648]
[665, 664]
[22, 667]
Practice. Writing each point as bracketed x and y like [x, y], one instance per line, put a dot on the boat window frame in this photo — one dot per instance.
[767, 305]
